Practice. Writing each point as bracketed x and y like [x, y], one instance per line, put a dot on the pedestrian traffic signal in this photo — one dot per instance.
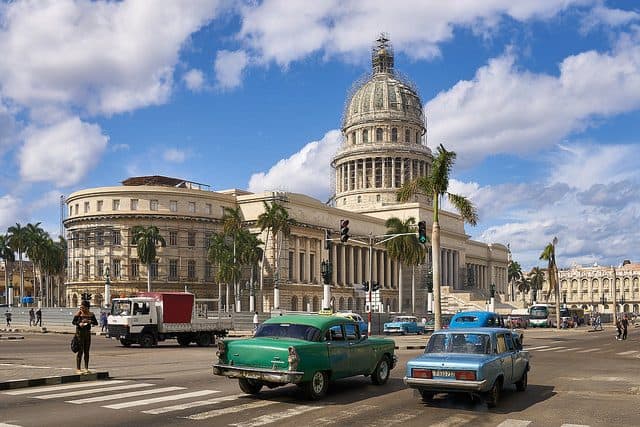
[422, 232]
[327, 240]
[344, 230]
[365, 286]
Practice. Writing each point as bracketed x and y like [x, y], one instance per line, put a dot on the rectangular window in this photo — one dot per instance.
[154, 270]
[70, 210]
[116, 205]
[85, 237]
[173, 269]
[87, 269]
[291, 267]
[117, 237]
[100, 269]
[207, 271]
[99, 205]
[173, 206]
[134, 204]
[207, 208]
[153, 205]
[302, 257]
[76, 272]
[86, 207]
[192, 207]
[312, 265]
[77, 209]
[191, 240]
[173, 238]
[115, 269]
[100, 238]
[207, 240]
[191, 269]
[135, 268]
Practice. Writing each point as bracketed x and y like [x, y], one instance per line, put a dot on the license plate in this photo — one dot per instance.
[440, 373]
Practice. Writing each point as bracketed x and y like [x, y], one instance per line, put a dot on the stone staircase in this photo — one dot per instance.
[454, 301]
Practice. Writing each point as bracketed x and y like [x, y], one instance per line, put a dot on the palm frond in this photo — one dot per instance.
[464, 206]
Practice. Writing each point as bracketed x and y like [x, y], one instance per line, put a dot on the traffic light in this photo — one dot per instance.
[365, 286]
[327, 240]
[422, 232]
[375, 286]
[326, 270]
[344, 230]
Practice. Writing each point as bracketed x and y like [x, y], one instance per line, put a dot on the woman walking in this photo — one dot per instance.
[83, 320]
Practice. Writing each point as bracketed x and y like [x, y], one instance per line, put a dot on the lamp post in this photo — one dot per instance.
[492, 295]
[107, 287]
[564, 298]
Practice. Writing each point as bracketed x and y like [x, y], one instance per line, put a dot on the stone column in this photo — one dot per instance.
[334, 261]
[343, 262]
[351, 270]
[384, 172]
[393, 172]
[375, 266]
[402, 171]
[387, 272]
[307, 261]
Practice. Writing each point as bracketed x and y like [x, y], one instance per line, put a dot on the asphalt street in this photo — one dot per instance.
[578, 378]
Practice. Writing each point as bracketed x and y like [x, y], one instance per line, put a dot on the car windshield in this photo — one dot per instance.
[121, 307]
[404, 319]
[539, 313]
[459, 343]
[564, 312]
[288, 330]
[466, 319]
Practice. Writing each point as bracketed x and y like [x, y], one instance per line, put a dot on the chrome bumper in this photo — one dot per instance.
[261, 374]
[446, 385]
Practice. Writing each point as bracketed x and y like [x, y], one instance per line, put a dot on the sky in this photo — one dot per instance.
[539, 99]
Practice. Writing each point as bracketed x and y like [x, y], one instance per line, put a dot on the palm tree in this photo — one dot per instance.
[8, 256]
[249, 254]
[147, 238]
[524, 285]
[406, 250]
[536, 277]
[36, 247]
[514, 272]
[232, 226]
[266, 221]
[435, 185]
[52, 265]
[221, 253]
[18, 242]
[549, 255]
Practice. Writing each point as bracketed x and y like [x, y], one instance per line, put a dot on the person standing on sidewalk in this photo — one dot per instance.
[625, 326]
[619, 328]
[39, 317]
[103, 321]
[256, 321]
[7, 314]
[83, 320]
[32, 317]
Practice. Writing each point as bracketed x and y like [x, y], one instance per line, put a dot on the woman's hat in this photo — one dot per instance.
[85, 304]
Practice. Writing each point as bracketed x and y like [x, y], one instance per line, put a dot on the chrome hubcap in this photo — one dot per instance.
[318, 382]
[384, 369]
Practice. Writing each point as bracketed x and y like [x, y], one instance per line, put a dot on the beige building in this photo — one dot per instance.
[384, 146]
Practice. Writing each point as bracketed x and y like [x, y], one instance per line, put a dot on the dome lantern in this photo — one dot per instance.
[382, 56]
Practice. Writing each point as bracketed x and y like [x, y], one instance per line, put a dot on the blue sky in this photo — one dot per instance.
[539, 99]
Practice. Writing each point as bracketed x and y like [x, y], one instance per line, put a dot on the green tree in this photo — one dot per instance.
[536, 277]
[524, 286]
[436, 185]
[232, 227]
[37, 240]
[18, 241]
[147, 239]
[8, 256]
[249, 255]
[53, 265]
[221, 253]
[406, 250]
[514, 272]
[549, 255]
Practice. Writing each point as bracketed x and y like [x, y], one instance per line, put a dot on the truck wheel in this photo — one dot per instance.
[125, 343]
[317, 387]
[146, 341]
[381, 374]
[204, 340]
[249, 386]
[184, 341]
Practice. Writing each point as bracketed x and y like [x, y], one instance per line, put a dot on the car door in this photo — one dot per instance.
[360, 350]
[506, 356]
[338, 349]
[519, 359]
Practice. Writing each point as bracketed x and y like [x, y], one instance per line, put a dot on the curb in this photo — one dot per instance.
[60, 379]
[410, 347]
[12, 337]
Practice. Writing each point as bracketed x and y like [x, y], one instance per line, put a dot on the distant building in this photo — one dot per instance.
[384, 146]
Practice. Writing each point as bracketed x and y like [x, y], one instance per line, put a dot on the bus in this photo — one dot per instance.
[542, 315]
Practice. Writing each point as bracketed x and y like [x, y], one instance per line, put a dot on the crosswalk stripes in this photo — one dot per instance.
[230, 410]
[92, 391]
[536, 348]
[275, 417]
[195, 404]
[514, 423]
[455, 421]
[551, 349]
[626, 353]
[588, 350]
[124, 395]
[153, 400]
[82, 384]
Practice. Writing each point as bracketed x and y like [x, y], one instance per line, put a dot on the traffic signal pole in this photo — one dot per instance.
[370, 283]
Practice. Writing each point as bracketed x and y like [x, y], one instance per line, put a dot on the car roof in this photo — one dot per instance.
[472, 330]
[316, 320]
[477, 313]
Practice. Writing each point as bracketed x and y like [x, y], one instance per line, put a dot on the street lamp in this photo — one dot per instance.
[107, 287]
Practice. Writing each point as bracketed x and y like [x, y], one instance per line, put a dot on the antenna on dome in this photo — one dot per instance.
[382, 55]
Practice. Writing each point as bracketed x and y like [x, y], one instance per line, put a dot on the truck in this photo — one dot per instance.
[151, 317]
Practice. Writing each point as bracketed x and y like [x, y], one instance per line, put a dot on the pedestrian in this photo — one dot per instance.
[256, 321]
[39, 317]
[83, 320]
[619, 328]
[7, 314]
[32, 317]
[625, 326]
[103, 321]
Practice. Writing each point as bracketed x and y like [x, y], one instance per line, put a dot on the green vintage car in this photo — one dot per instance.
[307, 350]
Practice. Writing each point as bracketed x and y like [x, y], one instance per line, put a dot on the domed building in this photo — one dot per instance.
[384, 146]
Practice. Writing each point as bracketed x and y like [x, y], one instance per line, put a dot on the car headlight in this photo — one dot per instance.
[222, 349]
[293, 359]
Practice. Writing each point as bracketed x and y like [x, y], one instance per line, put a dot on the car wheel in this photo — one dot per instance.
[381, 374]
[521, 385]
[493, 395]
[317, 387]
[427, 396]
[204, 340]
[184, 341]
[249, 386]
[125, 343]
[146, 341]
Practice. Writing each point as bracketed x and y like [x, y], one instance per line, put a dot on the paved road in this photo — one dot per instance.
[578, 379]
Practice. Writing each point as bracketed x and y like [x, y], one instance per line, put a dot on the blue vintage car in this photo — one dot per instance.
[403, 325]
[479, 361]
[364, 326]
[480, 319]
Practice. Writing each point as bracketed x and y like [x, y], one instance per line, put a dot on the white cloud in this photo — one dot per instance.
[530, 112]
[228, 67]
[119, 147]
[8, 127]
[104, 57]
[50, 200]
[602, 15]
[194, 79]
[9, 206]
[308, 171]
[61, 153]
[174, 155]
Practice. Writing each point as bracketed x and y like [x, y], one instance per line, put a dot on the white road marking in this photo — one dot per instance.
[193, 404]
[552, 349]
[574, 425]
[9, 425]
[626, 353]
[455, 421]
[92, 391]
[32, 390]
[124, 395]
[272, 418]
[514, 423]
[536, 348]
[343, 416]
[34, 366]
[160, 399]
[566, 349]
[589, 350]
[230, 410]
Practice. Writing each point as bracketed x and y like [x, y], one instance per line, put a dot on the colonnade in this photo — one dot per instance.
[378, 172]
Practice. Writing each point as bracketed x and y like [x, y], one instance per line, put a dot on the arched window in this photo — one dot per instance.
[294, 303]
[394, 135]
[365, 136]
[407, 135]
[378, 134]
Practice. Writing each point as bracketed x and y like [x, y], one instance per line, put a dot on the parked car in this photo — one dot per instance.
[308, 350]
[404, 325]
[479, 361]
[364, 326]
[480, 319]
